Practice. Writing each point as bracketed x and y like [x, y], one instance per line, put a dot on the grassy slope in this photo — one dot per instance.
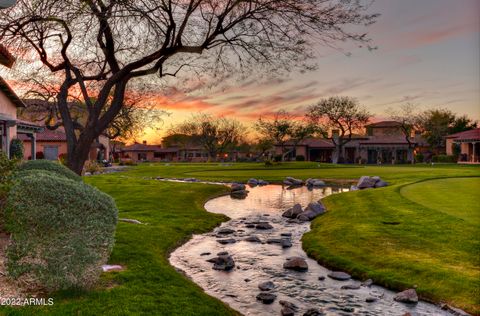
[444, 195]
[150, 285]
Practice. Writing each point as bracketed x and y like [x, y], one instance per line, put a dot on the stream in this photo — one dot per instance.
[259, 262]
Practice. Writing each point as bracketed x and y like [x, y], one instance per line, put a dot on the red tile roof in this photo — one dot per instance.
[385, 124]
[47, 136]
[467, 135]
[141, 147]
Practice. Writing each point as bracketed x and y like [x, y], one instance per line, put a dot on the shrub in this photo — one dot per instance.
[62, 231]
[277, 158]
[92, 166]
[268, 163]
[300, 158]
[419, 158]
[40, 155]
[7, 167]
[52, 166]
[16, 149]
[444, 158]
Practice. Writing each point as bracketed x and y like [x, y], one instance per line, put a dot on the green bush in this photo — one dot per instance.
[277, 158]
[51, 166]
[16, 149]
[62, 231]
[7, 167]
[444, 158]
[300, 158]
[419, 158]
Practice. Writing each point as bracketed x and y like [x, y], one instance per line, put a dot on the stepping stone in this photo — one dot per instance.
[351, 287]
[253, 239]
[266, 286]
[367, 283]
[266, 298]
[226, 241]
[296, 264]
[339, 276]
[225, 231]
[263, 226]
[286, 243]
[288, 309]
[205, 254]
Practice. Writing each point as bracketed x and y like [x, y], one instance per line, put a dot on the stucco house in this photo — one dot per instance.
[138, 152]
[10, 126]
[382, 142]
[51, 144]
[468, 143]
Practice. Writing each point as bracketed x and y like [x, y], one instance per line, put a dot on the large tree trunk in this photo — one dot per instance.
[337, 153]
[77, 158]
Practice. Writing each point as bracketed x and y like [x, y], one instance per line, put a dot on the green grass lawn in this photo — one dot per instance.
[434, 245]
[459, 197]
[149, 286]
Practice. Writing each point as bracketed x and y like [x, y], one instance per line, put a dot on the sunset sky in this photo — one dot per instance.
[428, 54]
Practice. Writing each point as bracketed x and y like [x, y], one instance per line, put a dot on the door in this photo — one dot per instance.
[50, 152]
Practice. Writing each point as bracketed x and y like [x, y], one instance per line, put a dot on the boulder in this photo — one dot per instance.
[381, 184]
[408, 296]
[225, 231]
[296, 264]
[354, 286]
[293, 181]
[354, 188]
[266, 298]
[367, 283]
[293, 212]
[240, 194]
[366, 182]
[253, 238]
[339, 276]
[263, 226]
[223, 263]
[237, 187]
[313, 210]
[266, 286]
[314, 182]
[262, 182]
[313, 312]
[286, 243]
[288, 308]
[226, 241]
[252, 182]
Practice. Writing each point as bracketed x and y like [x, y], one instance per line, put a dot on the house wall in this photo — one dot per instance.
[62, 147]
[9, 110]
[449, 146]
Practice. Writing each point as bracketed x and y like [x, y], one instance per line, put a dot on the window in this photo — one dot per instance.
[142, 156]
[157, 155]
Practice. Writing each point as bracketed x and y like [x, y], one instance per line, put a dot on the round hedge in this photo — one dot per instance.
[52, 166]
[62, 231]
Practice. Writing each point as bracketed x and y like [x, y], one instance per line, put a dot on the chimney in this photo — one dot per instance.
[144, 142]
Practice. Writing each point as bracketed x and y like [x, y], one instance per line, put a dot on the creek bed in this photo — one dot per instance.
[259, 262]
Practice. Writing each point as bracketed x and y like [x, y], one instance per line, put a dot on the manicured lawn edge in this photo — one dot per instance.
[363, 269]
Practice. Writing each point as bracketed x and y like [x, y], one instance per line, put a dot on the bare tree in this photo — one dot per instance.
[278, 129]
[409, 120]
[342, 116]
[97, 47]
[215, 135]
